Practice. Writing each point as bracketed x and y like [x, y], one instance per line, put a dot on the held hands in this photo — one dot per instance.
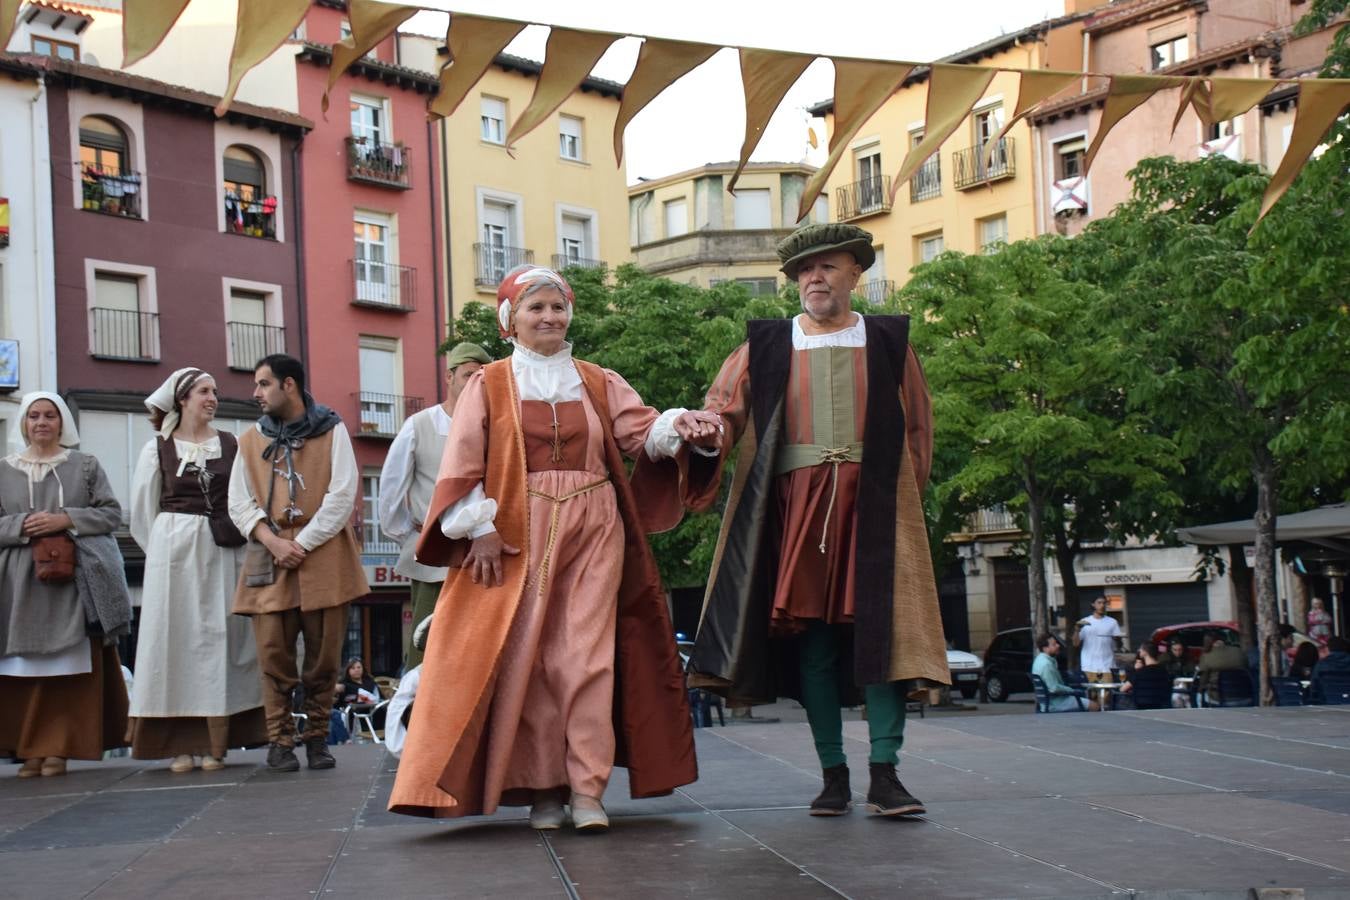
[700, 428]
[287, 553]
[484, 561]
[42, 523]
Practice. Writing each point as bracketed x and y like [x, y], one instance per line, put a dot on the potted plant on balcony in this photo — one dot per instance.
[370, 427]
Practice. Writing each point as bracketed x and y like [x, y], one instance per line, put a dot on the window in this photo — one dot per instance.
[103, 145]
[870, 188]
[677, 217]
[987, 122]
[108, 184]
[926, 182]
[494, 120]
[758, 287]
[371, 264]
[752, 208]
[248, 208]
[930, 247]
[120, 326]
[381, 405]
[53, 47]
[372, 539]
[1069, 159]
[497, 253]
[248, 331]
[993, 234]
[569, 137]
[1224, 139]
[368, 120]
[574, 250]
[1168, 53]
[820, 212]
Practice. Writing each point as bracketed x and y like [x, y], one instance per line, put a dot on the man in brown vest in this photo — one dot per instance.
[292, 491]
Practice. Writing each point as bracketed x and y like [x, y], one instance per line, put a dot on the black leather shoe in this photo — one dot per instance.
[281, 759]
[316, 749]
[886, 796]
[834, 800]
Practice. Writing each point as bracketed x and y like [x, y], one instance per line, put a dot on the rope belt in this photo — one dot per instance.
[553, 523]
[803, 456]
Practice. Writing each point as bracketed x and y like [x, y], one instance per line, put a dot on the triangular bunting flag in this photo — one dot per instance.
[262, 27]
[952, 92]
[9, 15]
[474, 43]
[371, 22]
[767, 76]
[1231, 97]
[660, 64]
[1034, 87]
[860, 87]
[1126, 94]
[568, 59]
[144, 25]
[1319, 104]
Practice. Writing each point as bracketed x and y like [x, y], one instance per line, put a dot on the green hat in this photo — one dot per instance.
[812, 239]
[465, 352]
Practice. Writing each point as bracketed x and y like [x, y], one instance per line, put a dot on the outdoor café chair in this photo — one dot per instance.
[1043, 697]
[1331, 688]
[1234, 687]
[1288, 691]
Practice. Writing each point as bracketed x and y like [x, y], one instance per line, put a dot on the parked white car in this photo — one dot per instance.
[966, 669]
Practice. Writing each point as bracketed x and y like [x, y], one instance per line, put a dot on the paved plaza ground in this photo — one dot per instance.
[1178, 803]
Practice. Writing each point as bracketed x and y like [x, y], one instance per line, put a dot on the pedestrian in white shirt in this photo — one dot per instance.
[1097, 635]
[408, 481]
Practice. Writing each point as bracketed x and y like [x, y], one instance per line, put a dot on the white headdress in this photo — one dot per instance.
[168, 397]
[70, 435]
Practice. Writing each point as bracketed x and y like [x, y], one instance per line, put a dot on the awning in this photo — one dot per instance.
[1313, 526]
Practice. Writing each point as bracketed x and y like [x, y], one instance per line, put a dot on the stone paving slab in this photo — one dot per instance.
[1172, 804]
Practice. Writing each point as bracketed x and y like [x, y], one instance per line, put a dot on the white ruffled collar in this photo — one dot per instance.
[524, 357]
[854, 335]
[552, 379]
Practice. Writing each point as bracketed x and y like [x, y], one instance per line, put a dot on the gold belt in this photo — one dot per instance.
[553, 523]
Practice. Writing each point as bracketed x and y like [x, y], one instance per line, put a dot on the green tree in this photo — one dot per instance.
[1025, 395]
[1239, 339]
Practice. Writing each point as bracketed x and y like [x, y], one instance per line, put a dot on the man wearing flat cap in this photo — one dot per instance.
[822, 587]
[409, 478]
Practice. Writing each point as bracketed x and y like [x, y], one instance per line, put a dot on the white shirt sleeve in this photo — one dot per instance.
[471, 516]
[146, 488]
[396, 479]
[244, 509]
[663, 442]
[335, 512]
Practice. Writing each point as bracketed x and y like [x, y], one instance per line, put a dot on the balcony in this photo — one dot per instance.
[382, 415]
[491, 262]
[250, 342]
[111, 191]
[970, 173]
[126, 335]
[875, 292]
[992, 520]
[863, 198]
[373, 540]
[926, 183]
[563, 261]
[247, 215]
[378, 285]
[370, 162]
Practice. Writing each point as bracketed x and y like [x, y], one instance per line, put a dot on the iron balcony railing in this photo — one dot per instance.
[382, 415]
[926, 183]
[863, 198]
[113, 191]
[250, 342]
[383, 285]
[388, 165]
[994, 518]
[970, 172]
[875, 292]
[251, 215]
[491, 262]
[373, 539]
[563, 261]
[124, 334]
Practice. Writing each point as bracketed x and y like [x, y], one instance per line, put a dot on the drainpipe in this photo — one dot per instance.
[297, 203]
[43, 232]
[445, 206]
[435, 281]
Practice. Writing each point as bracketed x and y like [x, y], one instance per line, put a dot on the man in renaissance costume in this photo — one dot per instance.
[292, 490]
[822, 586]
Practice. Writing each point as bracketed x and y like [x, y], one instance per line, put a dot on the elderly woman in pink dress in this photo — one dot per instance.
[551, 656]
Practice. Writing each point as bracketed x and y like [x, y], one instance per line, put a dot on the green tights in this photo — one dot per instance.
[820, 697]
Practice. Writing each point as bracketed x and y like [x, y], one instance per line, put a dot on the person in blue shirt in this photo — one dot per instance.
[1062, 697]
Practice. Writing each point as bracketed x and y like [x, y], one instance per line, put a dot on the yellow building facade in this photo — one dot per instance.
[956, 201]
[686, 226]
[556, 197]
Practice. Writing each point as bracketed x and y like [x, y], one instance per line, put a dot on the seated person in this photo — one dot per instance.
[1286, 653]
[1062, 697]
[356, 685]
[1176, 662]
[1149, 684]
[1221, 657]
[1305, 660]
[1336, 660]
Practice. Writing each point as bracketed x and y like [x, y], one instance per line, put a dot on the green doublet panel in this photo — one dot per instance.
[830, 400]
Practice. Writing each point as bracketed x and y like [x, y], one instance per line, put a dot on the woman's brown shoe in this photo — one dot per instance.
[31, 768]
[53, 765]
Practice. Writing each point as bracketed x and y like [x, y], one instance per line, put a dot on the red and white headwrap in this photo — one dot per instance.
[522, 281]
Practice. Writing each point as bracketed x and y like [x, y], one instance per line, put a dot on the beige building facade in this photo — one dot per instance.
[687, 227]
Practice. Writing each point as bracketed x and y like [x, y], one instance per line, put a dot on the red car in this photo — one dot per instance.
[1192, 636]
